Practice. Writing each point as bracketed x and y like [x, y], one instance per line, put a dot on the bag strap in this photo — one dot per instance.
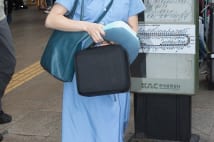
[73, 8]
[82, 10]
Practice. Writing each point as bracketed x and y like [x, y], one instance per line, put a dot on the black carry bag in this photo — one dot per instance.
[102, 70]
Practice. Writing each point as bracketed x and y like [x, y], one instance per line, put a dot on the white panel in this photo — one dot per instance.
[167, 38]
[170, 66]
[169, 11]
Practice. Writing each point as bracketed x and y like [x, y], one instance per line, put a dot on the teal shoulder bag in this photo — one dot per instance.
[58, 56]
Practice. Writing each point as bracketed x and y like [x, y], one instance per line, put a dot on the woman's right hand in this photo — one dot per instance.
[96, 31]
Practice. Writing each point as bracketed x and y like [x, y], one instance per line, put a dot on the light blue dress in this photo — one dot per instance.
[101, 118]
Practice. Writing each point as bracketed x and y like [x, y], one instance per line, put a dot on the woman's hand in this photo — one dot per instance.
[95, 31]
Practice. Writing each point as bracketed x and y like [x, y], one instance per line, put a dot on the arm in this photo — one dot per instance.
[133, 22]
[57, 20]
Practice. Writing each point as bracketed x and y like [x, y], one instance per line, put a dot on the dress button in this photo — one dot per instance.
[102, 23]
[105, 9]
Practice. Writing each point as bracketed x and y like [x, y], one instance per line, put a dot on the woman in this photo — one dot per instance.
[93, 119]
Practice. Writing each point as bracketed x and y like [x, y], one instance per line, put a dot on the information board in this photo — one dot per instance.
[167, 60]
[167, 38]
[169, 11]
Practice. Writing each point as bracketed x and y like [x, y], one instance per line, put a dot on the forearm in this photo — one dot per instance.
[133, 22]
[57, 20]
[63, 23]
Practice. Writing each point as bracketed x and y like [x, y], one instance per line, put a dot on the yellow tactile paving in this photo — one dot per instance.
[24, 75]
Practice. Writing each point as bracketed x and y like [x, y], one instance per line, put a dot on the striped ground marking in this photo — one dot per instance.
[24, 75]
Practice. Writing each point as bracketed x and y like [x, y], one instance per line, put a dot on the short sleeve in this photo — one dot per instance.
[136, 7]
[68, 4]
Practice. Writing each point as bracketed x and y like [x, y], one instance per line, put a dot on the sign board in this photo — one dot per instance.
[169, 11]
[165, 73]
[167, 59]
[167, 38]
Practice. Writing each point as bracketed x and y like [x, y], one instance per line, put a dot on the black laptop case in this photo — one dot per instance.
[102, 70]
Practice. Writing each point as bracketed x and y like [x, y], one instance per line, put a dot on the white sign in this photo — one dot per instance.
[167, 38]
[169, 11]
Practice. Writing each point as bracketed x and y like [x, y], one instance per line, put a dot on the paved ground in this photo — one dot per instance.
[34, 98]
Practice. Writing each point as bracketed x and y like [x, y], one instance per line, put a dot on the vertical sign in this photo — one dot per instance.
[168, 45]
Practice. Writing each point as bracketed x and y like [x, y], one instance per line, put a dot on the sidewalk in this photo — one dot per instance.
[35, 101]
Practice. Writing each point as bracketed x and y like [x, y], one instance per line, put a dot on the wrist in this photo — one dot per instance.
[83, 26]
